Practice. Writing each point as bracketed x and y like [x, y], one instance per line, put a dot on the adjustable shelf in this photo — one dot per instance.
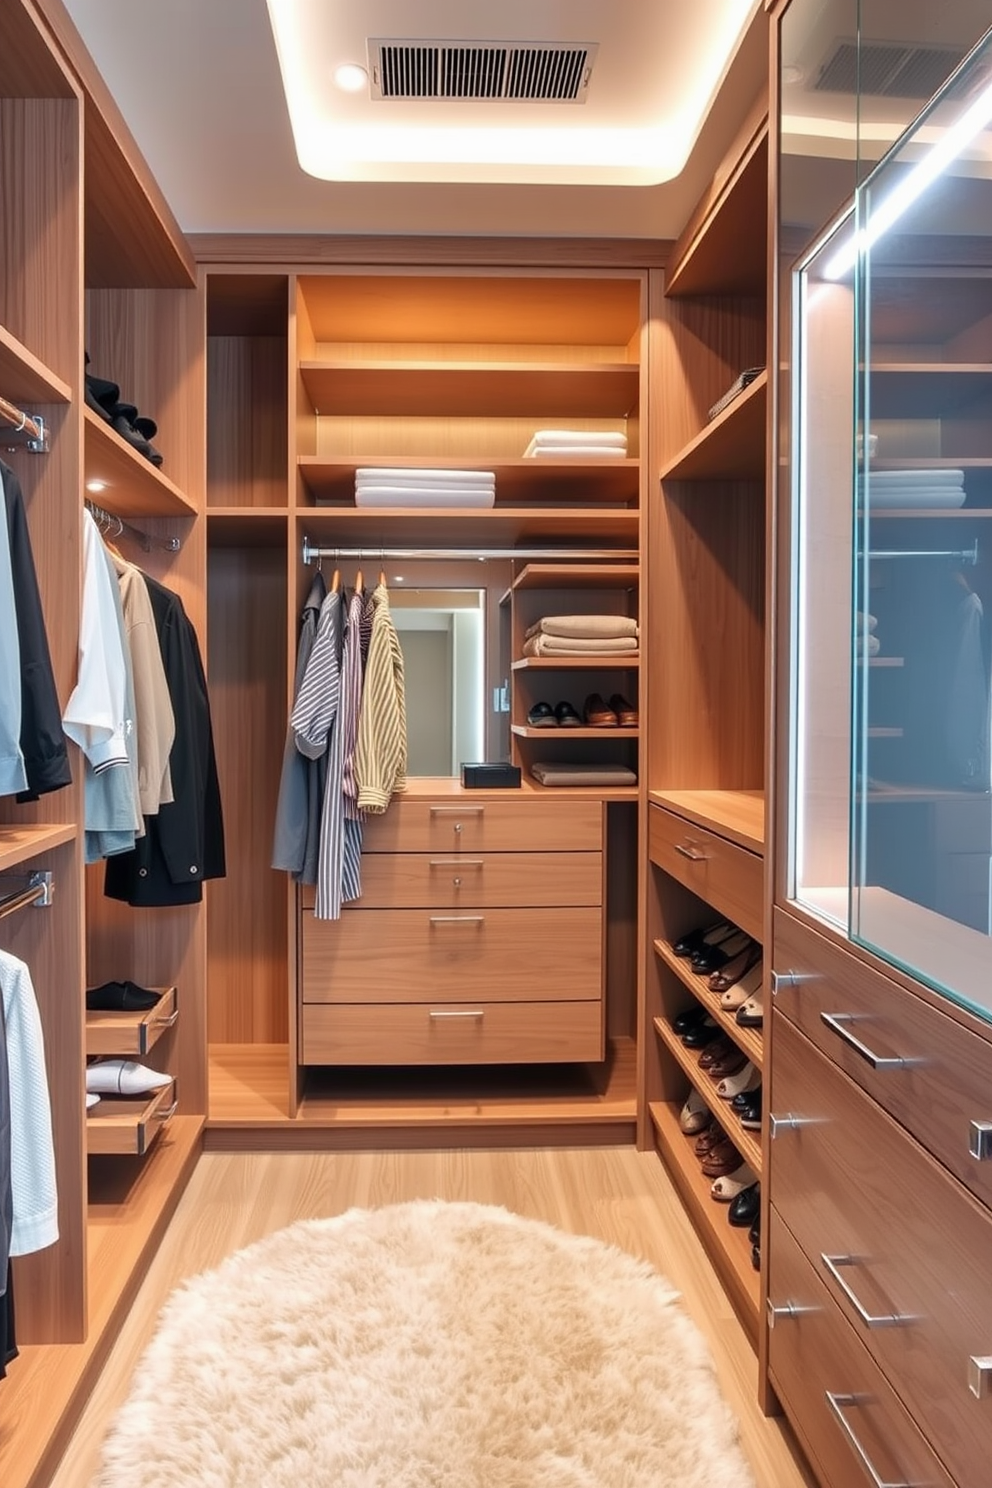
[21, 844]
[577, 576]
[746, 1142]
[731, 446]
[473, 389]
[24, 378]
[622, 663]
[575, 480]
[132, 485]
[523, 731]
[929, 390]
[747, 1039]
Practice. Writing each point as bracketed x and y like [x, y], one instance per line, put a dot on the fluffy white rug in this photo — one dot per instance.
[425, 1345]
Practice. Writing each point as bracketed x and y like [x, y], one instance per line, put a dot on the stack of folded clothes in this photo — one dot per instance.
[909, 489]
[401, 486]
[581, 635]
[555, 444]
[866, 641]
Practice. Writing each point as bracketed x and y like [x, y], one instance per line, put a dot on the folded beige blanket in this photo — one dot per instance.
[545, 645]
[558, 774]
[584, 626]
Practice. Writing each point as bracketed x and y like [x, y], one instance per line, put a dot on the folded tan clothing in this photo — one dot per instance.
[545, 645]
[549, 773]
[586, 626]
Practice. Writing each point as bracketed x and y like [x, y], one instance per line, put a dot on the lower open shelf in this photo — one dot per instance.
[131, 1201]
[747, 1143]
[728, 1247]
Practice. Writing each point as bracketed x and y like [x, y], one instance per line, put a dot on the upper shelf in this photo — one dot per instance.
[577, 576]
[926, 389]
[132, 486]
[570, 482]
[723, 247]
[24, 378]
[732, 447]
[377, 527]
[736, 814]
[473, 389]
[22, 844]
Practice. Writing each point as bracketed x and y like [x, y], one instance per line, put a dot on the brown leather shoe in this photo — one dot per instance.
[710, 1138]
[720, 1048]
[730, 1064]
[597, 714]
[626, 715]
[720, 1160]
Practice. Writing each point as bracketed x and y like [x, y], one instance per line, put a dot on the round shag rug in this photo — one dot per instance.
[425, 1345]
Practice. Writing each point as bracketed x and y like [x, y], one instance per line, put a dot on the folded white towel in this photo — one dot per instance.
[427, 497]
[586, 626]
[575, 452]
[580, 436]
[392, 475]
[545, 645]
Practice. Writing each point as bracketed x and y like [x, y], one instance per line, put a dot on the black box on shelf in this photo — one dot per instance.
[490, 777]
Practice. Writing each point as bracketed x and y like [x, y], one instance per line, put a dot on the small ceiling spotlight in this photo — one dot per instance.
[350, 77]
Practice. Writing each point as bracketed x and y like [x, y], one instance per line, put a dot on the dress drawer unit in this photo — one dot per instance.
[477, 880]
[453, 1033]
[453, 824]
[727, 876]
[901, 1247]
[415, 955]
[850, 1420]
[928, 1071]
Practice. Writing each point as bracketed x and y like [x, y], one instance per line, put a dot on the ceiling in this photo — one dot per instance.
[198, 83]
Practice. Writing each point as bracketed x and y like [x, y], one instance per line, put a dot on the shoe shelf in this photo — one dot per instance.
[746, 1142]
[24, 378]
[738, 815]
[419, 389]
[132, 1034]
[603, 481]
[629, 663]
[747, 1039]
[524, 731]
[123, 1125]
[21, 844]
[132, 486]
[732, 446]
[728, 1246]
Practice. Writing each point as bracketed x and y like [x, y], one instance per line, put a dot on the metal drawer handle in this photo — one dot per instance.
[784, 1311]
[457, 810]
[789, 1122]
[980, 1140]
[166, 1114]
[870, 1320]
[165, 1022]
[838, 1404]
[837, 1022]
[691, 851]
[456, 863]
[477, 1013]
[458, 919]
[980, 1376]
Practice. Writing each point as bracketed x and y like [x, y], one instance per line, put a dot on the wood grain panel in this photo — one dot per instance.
[471, 821]
[493, 880]
[574, 481]
[737, 815]
[299, 249]
[842, 1180]
[247, 671]
[718, 871]
[247, 430]
[731, 446]
[470, 389]
[30, 64]
[704, 343]
[478, 1033]
[412, 955]
[128, 1127]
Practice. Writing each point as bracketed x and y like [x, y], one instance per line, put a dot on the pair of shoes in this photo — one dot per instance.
[104, 398]
[712, 958]
[746, 1097]
[562, 715]
[750, 1014]
[123, 1077]
[729, 1185]
[750, 983]
[745, 1206]
[721, 1160]
[716, 1050]
[754, 1233]
[695, 1114]
[756, 1257]
[710, 1137]
[92, 1099]
[749, 1114]
[618, 713]
[689, 1018]
[701, 1034]
[744, 1079]
[120, 997]
[736, 968]
[728, 1065]
[693, 940]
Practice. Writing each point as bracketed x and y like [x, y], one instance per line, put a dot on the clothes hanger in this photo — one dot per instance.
[336, 582]
[359, 583]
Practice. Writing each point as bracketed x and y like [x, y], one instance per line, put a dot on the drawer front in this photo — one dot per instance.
[461, 824]
[944, 1086]
[119, 1125]
[899, 1244]
[476, 880]
[727, 876]
[816, 1366]
[466, 1033]
[412, 955]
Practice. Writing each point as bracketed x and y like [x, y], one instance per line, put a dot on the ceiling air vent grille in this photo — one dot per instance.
[888, 69]
[485, 71]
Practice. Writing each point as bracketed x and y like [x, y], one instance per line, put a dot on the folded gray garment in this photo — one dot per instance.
[550, 773]
[545, 645]
[584, 626]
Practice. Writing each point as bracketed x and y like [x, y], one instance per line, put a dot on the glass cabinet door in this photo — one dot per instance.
[892, 764]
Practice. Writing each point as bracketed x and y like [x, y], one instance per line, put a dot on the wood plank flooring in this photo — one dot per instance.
[615, 1193]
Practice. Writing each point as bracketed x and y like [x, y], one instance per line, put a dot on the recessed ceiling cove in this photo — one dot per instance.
[460, 90]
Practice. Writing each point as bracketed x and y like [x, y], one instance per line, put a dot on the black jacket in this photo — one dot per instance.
[184, 843]
[43, 744]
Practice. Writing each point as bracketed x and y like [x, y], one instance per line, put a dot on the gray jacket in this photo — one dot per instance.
[13, 777]
[301, 787]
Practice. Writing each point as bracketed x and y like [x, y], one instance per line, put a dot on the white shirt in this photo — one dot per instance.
[32, 1152]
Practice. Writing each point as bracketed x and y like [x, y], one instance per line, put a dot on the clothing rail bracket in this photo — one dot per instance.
[39, 891]
[25, 431]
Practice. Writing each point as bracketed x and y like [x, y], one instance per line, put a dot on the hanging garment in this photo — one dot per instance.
[32, 1154]
[301, 786]
[156, 724]
[6, 1189]
[315, 722]
[13, 776]
[42, 742]
[184, 844]
[351, 704]
[381, 754]
[99, 715]
[8, 1344]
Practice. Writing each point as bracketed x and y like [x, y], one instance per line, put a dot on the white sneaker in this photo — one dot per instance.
[92, 1099]
[123, 1077]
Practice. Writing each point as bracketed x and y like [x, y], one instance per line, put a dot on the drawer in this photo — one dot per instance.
[520, 823]
[831, 1389]
[900, 1246]
[412, 955]
[945, 1084]
[727, 876]
[128, 1126]
[463, 1033]
[131, 1033]
[477, 880]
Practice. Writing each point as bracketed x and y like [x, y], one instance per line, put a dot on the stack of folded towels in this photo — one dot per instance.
[581, 635]
[916, 488]
[866, 641]
[554, 444]
[401, 486]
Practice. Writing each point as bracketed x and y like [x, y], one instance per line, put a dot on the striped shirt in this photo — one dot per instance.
[380, 759]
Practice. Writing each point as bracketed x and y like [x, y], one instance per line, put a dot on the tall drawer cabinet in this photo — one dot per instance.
[478, 938]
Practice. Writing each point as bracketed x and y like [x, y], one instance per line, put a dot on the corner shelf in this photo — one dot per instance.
[24, 378]
[700, 261]
[473, 389]
[747, 1039]
[21, 844]
[133, 485]
[732, 446]
[746, 1142]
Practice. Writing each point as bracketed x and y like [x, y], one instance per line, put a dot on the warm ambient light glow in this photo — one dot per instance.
[351, 77]
[96, 485]
[955, 140]
[657, 69]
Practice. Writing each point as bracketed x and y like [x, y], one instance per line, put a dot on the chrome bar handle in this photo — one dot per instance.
[456, 863]
[788, 1122]
[458, 919]
[837, 1022]
[692, 852]
[166, 1113]
[870, 1320]
[980, 1140]
[439, 1013]
[980, 1376]
[783, 1312]
[457, 810]
[838, 1404]
[166, 1022]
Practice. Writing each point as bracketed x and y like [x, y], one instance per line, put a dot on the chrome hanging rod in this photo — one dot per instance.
[40, 891]
[114, 526]
[969, 555]
[31, 425]
[311, 553]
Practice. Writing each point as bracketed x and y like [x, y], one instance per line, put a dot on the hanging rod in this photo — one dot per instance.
[31, 425]
[311, 553]
[40, 892]
[969, 555]
[115, 526]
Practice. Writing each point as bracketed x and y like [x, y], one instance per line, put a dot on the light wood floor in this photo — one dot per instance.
[617, 1194]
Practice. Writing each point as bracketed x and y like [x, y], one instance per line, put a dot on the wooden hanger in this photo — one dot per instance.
[359, 583]
[336, 582]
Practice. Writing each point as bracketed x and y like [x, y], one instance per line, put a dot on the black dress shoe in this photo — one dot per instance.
[738, 1102]
[754, 1233]
[712, 957]
[694, 939]
[745, 1206]
[702, 1034]
[756, 1257]
[120, 997]
[689, 1018]
[750, 1115]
